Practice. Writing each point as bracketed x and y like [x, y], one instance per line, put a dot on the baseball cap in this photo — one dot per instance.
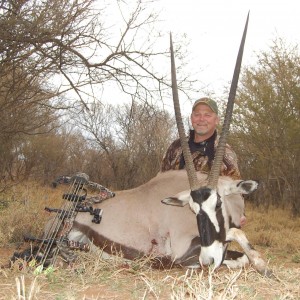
[209, 102]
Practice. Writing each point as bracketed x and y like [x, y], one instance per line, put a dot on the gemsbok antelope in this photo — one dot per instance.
[136, 223]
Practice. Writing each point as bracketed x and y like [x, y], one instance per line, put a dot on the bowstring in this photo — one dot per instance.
[67, 212]
[70, 212]
[53, 230]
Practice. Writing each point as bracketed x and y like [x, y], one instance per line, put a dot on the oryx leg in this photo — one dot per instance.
[235, 259]
[235, 234]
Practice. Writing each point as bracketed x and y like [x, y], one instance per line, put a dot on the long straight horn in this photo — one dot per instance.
[189, 165]
[215, 169]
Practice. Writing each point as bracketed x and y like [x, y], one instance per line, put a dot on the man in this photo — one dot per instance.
[203, 140]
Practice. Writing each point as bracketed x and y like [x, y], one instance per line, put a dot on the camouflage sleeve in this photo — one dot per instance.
[171, 158]
[230, 164]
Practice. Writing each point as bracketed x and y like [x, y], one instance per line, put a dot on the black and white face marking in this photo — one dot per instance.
[208, 208]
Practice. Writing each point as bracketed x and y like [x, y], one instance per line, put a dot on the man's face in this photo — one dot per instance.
[204, 121]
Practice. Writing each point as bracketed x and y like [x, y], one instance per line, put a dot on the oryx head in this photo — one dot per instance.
[206, 201]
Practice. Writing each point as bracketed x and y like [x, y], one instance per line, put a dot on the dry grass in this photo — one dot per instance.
[275, 234]
[25, 212]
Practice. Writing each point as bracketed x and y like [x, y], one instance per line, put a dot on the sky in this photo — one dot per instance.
[215, 28]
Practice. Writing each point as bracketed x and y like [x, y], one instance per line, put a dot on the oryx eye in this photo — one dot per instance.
[219, 202]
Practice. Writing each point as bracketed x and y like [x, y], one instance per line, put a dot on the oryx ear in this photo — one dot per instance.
[248, 186]
[241, 187]
[180, 199]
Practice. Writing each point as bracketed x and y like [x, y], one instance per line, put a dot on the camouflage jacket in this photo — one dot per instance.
[202, 154]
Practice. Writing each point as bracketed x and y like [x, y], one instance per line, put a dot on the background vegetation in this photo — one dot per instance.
[266, 129]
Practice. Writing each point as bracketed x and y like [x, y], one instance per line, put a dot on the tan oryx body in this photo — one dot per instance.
[136, 223]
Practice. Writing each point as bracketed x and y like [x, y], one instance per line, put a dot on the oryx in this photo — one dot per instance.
[136, 223]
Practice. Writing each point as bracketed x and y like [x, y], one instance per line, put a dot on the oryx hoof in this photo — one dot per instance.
[267, 273]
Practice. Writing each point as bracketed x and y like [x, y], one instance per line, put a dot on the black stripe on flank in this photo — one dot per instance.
[108, 245]
[113, 248]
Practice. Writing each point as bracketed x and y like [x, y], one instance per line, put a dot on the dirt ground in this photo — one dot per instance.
[122, 282]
